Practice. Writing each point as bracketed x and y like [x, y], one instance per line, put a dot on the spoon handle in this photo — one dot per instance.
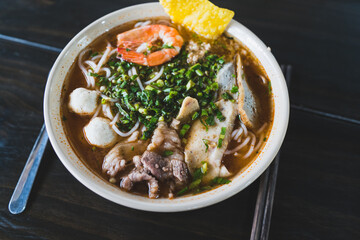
[22, 190]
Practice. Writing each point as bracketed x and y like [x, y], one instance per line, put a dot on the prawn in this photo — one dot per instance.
[133, 43]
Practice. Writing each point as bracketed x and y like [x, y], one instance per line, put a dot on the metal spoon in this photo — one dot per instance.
[22, 190]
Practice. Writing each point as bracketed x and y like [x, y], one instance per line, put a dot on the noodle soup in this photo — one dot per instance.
[158, 111]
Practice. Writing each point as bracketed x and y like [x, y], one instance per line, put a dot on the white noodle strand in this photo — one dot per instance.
[97, 112]
[106, 70]
[262, 128]
[157, 76]
[234, 133]
[239, 133]
[244, 128]
[122, 134]
[103, 59]
[227, 152]
[137, 78]
[115, 119]
[261, 139]
[83, 69]
[251, 149]
[91, 64]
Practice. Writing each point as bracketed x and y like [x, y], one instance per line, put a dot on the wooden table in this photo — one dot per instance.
[318, 190]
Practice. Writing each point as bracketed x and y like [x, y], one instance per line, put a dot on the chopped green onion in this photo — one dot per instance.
[195, 116]
[168, 153]
[221, 137]
[189, 85]
[199, 72]
[206, 142]
[182, 191]
[184, 129]
[234, 89]
[269, 86]
[195, 184]
[226, 96]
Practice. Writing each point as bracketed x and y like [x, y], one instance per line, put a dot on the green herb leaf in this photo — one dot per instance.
[184, 129]
[168, 153]
[206, 142]
[221, 137]
[234, 89]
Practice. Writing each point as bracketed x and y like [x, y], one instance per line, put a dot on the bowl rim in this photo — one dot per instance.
[182, 203]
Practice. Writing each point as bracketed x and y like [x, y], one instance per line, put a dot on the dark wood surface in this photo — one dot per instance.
[318, 190]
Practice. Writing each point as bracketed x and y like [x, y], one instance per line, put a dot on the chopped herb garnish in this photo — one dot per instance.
[132, 148]
[233, 75]
[221, 137]
[206, 127]
[168, 153]
[269, 86]
[167, 46]
[127, 49]
[264, 139]
[182, 191]
[195, 116]
[234, 89]
[219, 181]
[184, 129]
[226, 96]
[206, 142]
[94, 54]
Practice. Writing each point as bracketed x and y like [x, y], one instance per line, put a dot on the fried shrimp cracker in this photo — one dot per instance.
[200, 16]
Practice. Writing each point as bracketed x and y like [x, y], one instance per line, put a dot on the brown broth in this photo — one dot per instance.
[93, 157]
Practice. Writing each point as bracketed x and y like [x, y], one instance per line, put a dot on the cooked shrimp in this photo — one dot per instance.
[133, 43]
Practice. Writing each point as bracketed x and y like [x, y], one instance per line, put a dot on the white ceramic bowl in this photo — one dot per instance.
[68, 157]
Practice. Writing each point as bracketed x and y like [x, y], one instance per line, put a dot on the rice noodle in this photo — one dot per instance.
[108, 98]
[96, 112]
[122, 134]
[115, 119]
[107, 111]
[142, 24]
[238, 147]
[164, 22]
[96, 57]
[91, 79]
[239, 133]
[91, 64]
[259, 142]
[113, 51]
[104, 58]
[262, 128]
[106, 70]
[156, 77]
[263, 79]
[251, 149]
[244, 128]
[234, 133]
[83, 69]
[137, 78]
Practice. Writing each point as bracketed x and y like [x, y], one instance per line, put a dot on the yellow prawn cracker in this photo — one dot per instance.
[200, 16]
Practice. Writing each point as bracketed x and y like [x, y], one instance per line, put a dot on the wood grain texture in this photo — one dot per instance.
[320, 38]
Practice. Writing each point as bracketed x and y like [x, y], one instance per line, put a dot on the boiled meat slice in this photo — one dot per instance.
[120, 155]
[188, 107]
[195, 149]
[83, 101]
